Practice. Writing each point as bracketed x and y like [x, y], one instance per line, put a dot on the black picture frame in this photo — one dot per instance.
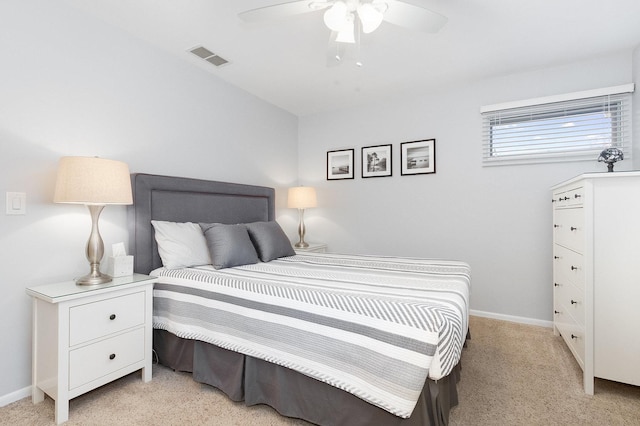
[418, 157]
[376, 161]
[340, 164]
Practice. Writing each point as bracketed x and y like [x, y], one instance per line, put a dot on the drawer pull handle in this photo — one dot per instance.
[556, 226]
[556, 257]
[112, 356]
[553, 200]
[556, 285]
[573, 302]
[573, 336]
[577, 196]
[574, 268]
[573, 228]
[556, 312]
[112, 317]
[566, 198]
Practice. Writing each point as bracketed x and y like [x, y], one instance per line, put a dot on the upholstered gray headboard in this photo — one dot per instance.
[178, 199]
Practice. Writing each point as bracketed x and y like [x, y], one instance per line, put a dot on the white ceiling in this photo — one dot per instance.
[284, 62]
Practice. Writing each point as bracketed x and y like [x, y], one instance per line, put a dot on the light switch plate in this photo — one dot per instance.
[16, 203]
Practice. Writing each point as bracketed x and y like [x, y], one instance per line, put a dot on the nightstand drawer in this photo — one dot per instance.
[94, 320]
[104, 357]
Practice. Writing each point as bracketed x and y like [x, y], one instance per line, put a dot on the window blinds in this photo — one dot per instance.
[570, 127]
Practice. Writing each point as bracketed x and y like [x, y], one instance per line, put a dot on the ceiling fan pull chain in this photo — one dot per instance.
[358, 31]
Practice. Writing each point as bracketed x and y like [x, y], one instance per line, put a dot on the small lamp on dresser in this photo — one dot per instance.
[94, 182]
[301, 197]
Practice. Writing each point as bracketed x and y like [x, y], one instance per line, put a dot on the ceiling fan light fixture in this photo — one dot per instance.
[346, 37]
[336, 16]
[370, 17]
[347, 33]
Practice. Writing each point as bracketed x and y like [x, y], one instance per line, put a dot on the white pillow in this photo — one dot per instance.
[181, 245]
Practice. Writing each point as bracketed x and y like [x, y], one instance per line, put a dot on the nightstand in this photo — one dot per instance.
[87, 336]
[313, 248]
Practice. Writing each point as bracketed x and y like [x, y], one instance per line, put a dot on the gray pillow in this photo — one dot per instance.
[269, 240]
[229, 245]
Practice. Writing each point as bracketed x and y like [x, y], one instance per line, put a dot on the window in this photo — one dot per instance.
[570, 127]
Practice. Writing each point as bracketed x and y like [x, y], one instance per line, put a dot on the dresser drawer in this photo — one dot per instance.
[568, 267]
[573, 335]
[571, 302]
[96, 360]
[567, 197]
[568, 228]
[94, 320]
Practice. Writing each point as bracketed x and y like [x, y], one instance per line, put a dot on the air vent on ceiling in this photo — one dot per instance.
[209, 56]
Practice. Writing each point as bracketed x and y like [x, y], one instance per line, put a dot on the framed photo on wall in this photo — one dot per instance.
[418, 157]
[376, 161]
[340, 164]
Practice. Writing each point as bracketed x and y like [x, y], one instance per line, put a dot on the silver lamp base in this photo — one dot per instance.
[94, 279]
[301, 230]
[95, 250]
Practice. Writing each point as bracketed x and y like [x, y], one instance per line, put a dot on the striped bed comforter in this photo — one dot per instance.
[377, 327]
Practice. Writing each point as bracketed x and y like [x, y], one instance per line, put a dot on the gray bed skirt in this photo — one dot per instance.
[292, 394]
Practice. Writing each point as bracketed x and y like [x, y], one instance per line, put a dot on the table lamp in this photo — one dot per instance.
[94, 182]
[301, 197]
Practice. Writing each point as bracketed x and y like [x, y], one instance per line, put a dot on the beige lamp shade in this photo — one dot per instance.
[92, 181]
[301, 197]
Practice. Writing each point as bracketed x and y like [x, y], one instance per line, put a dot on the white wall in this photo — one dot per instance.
[71, 85]
[496, 218]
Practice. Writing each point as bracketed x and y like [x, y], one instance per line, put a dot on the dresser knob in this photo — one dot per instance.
[112, 356]
[577, 196]
[566, 198]
[556, 285]
[556, 312]
[573, 336]
[573, 302]
[556, 257]
[573, 228]
[574, 268]
[112, 317]
[556, 226]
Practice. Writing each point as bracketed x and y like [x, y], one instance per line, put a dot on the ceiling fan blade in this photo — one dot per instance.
[413, 17]
[283, 10]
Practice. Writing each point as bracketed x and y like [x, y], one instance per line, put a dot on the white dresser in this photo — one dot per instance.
[85, 337]
[596, 273]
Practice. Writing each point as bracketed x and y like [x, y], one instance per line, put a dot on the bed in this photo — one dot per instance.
[316, 357]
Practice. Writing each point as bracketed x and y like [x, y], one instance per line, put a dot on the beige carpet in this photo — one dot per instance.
[512, 374]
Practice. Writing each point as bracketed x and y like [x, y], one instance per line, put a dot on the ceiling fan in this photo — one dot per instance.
[348, 19]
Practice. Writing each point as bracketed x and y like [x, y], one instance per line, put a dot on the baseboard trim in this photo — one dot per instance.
[15, 396]
[512, 318]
